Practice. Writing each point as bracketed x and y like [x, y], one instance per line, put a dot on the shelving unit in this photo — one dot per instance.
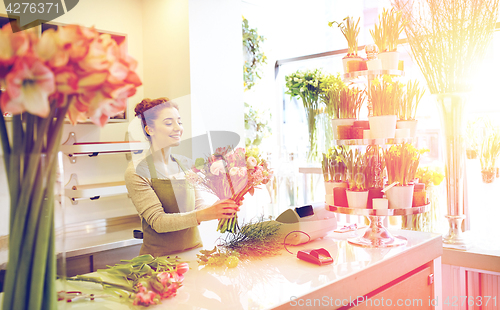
[76, 192]
[73, 149]
[376, 235]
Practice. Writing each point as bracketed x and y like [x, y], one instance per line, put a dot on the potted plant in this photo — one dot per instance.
[334, 171]
[490, 150]
[331, 85]
[357, 194]
[374, 172]
[471, 139]
[408, 108]
[306, 86]
[386, 35]
[401, 162]
[350, 30]
[385, 97]
[350, 101]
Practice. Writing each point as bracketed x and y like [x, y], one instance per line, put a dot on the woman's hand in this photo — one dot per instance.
[226, 208]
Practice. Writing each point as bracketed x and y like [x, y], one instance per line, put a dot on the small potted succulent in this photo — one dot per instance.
[401, 162]
[386, 35]
[350, 30]
[350, 101]
[408, 108]
[490, 150]
[357, 194]
[334, 171]
[385, 96]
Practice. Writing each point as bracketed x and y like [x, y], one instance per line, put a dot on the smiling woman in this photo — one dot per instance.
[170, 208]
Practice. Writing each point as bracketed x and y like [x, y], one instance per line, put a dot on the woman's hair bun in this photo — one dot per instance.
[147, 104]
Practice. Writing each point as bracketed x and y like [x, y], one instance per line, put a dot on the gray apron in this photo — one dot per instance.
[171, 194]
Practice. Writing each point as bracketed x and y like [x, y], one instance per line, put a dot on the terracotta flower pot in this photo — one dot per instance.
[341, 121]
[488, 175]
[373, 193]
[330, 191]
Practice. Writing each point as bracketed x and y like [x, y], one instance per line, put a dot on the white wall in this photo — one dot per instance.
[216, 63]
[119, 16]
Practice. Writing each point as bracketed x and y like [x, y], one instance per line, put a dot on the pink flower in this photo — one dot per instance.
[234, 171]
[144, 297]
[217, 167]
[182, 268]
[251, 162]
[242, 172]
[29, 85]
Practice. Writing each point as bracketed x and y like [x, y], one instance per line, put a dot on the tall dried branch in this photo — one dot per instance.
[449, 39]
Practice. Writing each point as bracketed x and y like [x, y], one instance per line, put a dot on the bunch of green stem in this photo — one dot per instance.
[331, 85]
[350, 30]
[375, 165]
[258, 239]
[351, 100]
[449, 39]
[334, 168]
[490, 150]
[402, 163]
[356, 164]
[385, 96]
[386, 33]
[411, 99]
[31, 167]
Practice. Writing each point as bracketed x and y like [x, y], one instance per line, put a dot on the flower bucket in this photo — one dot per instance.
[400, 197]
[390, 60]
[330, 190]
[339, 122]
[383, 126]
[409, 124]
[357, 200]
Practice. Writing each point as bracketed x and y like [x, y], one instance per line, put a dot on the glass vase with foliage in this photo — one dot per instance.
[306, 86]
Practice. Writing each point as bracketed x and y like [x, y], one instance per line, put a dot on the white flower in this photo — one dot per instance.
[251, 162]
[242, 171]
[233, 171]
[217, 167]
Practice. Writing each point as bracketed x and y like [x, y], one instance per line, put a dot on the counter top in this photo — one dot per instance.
[280, 282]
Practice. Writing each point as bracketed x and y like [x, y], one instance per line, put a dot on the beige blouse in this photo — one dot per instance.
[138, 182]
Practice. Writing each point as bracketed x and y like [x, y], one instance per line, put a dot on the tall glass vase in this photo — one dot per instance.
[36, 254]
[451, 107]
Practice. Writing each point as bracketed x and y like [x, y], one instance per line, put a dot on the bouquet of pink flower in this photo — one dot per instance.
[230, 174]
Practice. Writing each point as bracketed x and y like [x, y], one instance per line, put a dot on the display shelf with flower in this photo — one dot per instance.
[490, 151]
[385, 96]
[143, 280]
[230, 174]
[407, 111]
[401, 162]
[306, 86]
[386, 36]
[350, 29]
[72, 72]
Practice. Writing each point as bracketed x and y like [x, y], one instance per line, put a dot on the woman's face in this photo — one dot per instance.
[166, 130]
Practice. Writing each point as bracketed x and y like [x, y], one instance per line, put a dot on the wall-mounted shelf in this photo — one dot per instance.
[77, 192]
[73, 149]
